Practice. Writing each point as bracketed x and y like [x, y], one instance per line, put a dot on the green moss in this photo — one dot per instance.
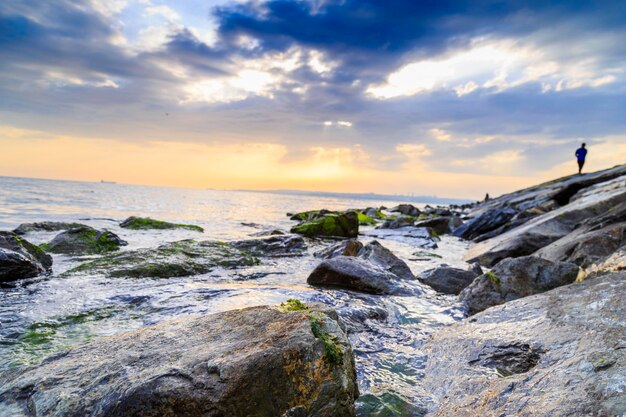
[434, 234]
[495, 279]
[329, 225]
[423, 217]
[145, 223]
[332, 351]
[293, 304]
[365, 220]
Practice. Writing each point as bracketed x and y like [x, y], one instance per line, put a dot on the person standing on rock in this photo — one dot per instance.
[581, 153]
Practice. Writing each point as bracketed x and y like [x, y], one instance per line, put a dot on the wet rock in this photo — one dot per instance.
[350, 247]
[397, 222]
[374, 269]
[585, 247]
[84, 240]
[213, 365]
[406, 209]
[274, 232]
[330, 225]
[380, 256]
[274, 246]
[307, 216]
[553, 354]
[388, 404]
[485, 222]
[146, 223]
[365, 220]
[21, 259]
[547, 228]
[515, 278]
[45, 227]
[354, 273]
[447, 280]
[175, 259]
[441, 225]
[375, 213]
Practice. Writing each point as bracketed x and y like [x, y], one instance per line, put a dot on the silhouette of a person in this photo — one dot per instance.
[581, 153]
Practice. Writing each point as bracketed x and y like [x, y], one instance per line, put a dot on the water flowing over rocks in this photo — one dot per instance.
[273, 246]
[176, 259]
[514, 278]
[21, 259]
[560, 353]
[448, 280]
[258, 361]
[84, 240]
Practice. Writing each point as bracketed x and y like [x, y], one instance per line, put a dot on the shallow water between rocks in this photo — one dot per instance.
[45, 315]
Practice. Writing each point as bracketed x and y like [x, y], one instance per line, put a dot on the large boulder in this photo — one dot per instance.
[542, 230]
[24, 228]
[442, 225]
[406, 209]
[353, 273]
[422, 237]
[274, 246]
[175, 259]
[21, 259]
[515, 278]
[146, 223]
[554, 354]
[373, 269]
[259, 361]
[84, 240]
[447, 279]
[330, 225]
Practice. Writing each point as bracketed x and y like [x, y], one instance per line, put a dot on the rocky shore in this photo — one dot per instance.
[542, 288]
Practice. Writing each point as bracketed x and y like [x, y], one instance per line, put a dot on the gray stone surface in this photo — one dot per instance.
[255, 362]
[556, 354]
[21, 259]
[448, 280]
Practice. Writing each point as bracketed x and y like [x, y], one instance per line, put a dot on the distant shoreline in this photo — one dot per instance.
[368, 196]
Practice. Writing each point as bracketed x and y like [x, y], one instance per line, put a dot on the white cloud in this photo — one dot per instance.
[413, 150]
[163, 11]
[440, 135]
[339, 123]
[228, 89]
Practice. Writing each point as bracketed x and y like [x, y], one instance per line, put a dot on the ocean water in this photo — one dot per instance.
[49, 314]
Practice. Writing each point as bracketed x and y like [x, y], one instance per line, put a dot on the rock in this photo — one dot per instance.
[475, 268]
[374, 269]
[350, 247]
[614, 263]
[584, 246]
[259, 361]
[84, 240]
[273, 232]
[397, 222]
[21, 259]
[485, 222]
[354, 273]
[406, 209]
[542, 230]
[146, 223]
[441, 225]
[380, 256]
[330, 225]
[365, 220]
[307, 216]
[553, 354]
[388, 404]
[447, 280]
[274, 246]
[374, 213]
[515, 278]
[45, 227]
[174, 259]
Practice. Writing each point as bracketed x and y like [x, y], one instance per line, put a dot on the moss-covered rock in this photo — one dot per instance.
[84, 240]
[20, 258]
[365, 220]
[175, 259]
[331, 225]
[146, 223]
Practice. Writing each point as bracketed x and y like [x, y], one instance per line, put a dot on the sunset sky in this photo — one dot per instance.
[453, 98]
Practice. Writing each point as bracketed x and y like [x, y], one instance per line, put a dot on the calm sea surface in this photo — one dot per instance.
[45, 315]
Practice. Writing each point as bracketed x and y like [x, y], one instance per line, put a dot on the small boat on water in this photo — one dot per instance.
[107, 182]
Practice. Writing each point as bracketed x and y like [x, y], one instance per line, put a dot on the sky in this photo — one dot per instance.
[454, 98]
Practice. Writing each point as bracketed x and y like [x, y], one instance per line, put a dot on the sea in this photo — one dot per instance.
[49, 314]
